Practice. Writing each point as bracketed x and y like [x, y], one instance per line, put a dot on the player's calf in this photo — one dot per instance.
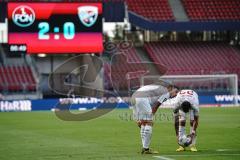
[146, 134]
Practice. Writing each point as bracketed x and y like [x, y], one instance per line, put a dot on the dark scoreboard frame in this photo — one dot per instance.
[56, 14]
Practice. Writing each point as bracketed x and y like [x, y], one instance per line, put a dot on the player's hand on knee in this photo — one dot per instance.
[139, 123]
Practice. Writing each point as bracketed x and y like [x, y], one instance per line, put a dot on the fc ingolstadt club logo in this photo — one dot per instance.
[88, 15]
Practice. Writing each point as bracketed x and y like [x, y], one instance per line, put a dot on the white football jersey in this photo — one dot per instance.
[187, 95]
[153, 93]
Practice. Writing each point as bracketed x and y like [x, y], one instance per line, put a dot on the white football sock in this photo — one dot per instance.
[148, 135]
[194, 138]
[191, 129]
[142, 133]
[194, 141]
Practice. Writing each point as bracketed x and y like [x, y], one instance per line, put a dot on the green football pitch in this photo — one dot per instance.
[42, 136]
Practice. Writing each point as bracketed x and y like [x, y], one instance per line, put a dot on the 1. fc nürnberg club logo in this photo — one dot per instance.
[23, 16]
[88, 15]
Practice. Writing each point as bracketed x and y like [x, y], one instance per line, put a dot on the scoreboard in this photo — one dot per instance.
[55, 27]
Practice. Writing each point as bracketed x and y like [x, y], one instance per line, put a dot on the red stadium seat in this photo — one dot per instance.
[119, 70]
[154, 10]
[212, 10]
[17, 78]
[195, 57]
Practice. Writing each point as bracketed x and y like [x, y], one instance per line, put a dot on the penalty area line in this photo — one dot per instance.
[223, 150]
[166, 157]
[163, 158]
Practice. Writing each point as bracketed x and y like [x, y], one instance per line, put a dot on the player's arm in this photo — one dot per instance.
[172, 93]
[161, 99]
[176, 123]
[176, 117]
[196, 120]
[155, 107]
[195, 124]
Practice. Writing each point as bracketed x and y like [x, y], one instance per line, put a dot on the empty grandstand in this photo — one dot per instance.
[16, 79]
[168, 37]
[152, 9]
[212, 10]
[195, 57]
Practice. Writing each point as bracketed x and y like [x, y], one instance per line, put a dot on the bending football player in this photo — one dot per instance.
[146, 101]
[186, 102]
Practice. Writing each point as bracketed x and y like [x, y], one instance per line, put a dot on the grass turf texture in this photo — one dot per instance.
[41, 136]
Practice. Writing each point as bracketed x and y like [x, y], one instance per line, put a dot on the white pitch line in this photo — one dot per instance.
[163, 158]
[222, 150]
[197, 155]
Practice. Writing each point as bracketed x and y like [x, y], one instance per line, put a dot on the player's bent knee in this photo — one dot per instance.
[191, 122]
[145, 122]
[182, 122]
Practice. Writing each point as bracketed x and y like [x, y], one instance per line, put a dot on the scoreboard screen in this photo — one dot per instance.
[55, 27]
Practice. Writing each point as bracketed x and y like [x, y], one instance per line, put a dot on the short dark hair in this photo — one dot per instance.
[186, 106]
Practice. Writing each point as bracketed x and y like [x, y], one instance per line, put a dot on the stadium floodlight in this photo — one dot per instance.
[222, 84]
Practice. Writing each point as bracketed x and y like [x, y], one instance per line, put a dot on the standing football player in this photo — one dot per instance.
[146, 101]
[186, 102]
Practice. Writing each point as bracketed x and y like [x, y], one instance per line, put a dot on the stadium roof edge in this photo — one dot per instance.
[182, 26]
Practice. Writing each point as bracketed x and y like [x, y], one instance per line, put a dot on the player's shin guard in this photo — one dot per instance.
[194, 139]
[148, 135]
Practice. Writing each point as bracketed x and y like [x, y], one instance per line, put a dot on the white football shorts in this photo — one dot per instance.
[183, 116]
[142, 109]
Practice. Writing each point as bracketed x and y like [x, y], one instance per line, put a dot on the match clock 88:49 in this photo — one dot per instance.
[56, 27]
